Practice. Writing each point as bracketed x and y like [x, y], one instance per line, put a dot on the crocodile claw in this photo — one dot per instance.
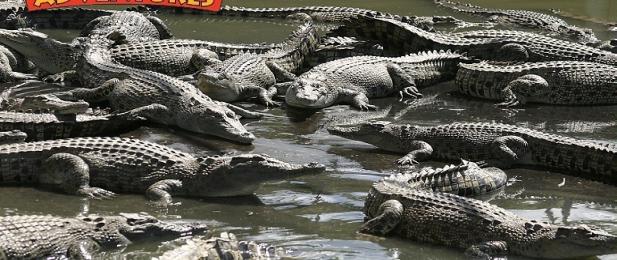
[271, 103]
[96, 193]
[410, 92]
[406, 161]
[509, 103]
[367, 107]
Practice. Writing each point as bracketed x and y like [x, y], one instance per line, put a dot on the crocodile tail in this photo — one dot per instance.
[465, 8]
[298, 45]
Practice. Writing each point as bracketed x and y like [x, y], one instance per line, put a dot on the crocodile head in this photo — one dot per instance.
[310, 93]
[382, 134]
[53, 103]
[567, 242]
[581, 35]
[241, 175]
[48, 54]
[139, 226]
[219, 85]
[216, 120]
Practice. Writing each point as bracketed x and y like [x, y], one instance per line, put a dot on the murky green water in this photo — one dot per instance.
[316, 217]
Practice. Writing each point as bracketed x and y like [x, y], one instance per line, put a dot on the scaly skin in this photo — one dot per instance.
[486, 44]
[524, 18]
[45, 103]
[334, 48]
[354, 80]
[39, 236]
[101, 166]
[398, 205]
[179, 103]
[553, 82]
[252, 75]
[226, 246]
[498, 144]
[132, 26]
[47, 126]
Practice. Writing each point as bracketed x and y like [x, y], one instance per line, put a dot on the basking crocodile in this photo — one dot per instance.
[180, 103]
[45, 236]
[354, 80]
[133, 26]
[524, 18]
[47, 126]
[401, 206]
[99, 166]
[254, 75]
[485, 44]
[226, 246]
[553, 82]
[498, 144]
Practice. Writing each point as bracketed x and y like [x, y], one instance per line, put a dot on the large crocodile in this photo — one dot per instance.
[45, 236]
[99, 166]
[525, 18]
[402, 206]
[354, 80]
[180, 103]
[485, 44]
[498, 144]
[553, 82]
[46, 126]
[252, 75]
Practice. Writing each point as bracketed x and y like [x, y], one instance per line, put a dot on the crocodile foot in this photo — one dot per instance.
[406, 161]
[96, 193]
[410, 92]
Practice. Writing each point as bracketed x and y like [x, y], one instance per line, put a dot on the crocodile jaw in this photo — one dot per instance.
[572, 242]
[378, 133]
[242, 175]
[37, 47]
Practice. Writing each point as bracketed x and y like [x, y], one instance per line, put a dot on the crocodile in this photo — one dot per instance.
[254, 75]
[99, 167]
[334, 48]
[225, 246]
[14, 66]
[401, 206]
[47, 126]
[354, 80]
[498, 144]
[180, 104]
[525, 18]
[46, 236]
[552, 82]
[321, 14]
[504, 45]
[133, 26]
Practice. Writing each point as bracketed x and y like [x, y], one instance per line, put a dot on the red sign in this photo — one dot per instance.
[208, 5]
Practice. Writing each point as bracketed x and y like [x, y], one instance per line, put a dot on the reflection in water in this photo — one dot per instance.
[317, 217]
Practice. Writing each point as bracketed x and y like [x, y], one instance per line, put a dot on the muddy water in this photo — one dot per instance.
[316, 217]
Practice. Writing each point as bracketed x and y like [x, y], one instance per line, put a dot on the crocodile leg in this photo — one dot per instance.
[389, 216]
[90, 94]
[164, 32]
[65, 76]
[82, 249]
[159, 192]
[280, 73]
[513, 52]
[519, 90]
[508, 149]
[263, 95]
[357, 99]
[71, 174]
[487, 250]
[421, 151]
[406, 83]
[17, 76]
[241, 111]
